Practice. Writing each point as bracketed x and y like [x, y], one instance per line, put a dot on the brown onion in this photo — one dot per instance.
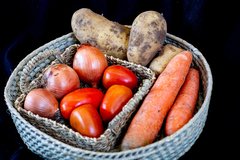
[61, 79]
[89, 63]
[42, 102]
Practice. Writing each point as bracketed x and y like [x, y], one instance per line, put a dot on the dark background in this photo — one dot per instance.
[212, 27]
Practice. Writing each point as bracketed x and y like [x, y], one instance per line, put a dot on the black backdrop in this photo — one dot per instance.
[212, 27]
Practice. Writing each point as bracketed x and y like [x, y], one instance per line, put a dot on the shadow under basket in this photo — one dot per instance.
[52, 139]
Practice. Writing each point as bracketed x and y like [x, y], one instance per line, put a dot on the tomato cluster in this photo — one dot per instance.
[88, 109]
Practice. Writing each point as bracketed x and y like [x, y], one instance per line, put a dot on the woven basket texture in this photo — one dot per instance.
[55, 140]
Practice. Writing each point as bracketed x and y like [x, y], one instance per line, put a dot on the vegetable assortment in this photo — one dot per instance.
[87, 108]
[168, 106]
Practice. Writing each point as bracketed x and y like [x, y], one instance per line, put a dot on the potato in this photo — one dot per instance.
[110, 37]
[147, 36]
[159, 63]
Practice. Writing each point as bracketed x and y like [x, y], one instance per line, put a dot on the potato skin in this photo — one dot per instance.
[110, 37]
[147, 36]
[159, 63]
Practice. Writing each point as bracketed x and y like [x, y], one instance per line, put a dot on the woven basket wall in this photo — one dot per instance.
[45, 140]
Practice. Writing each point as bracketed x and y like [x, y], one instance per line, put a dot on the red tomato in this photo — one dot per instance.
[79, 97]
[117, 74]
[86, 120]
[114, 100]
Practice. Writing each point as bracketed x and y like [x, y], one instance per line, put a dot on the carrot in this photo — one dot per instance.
[183, 108]
[147, 122]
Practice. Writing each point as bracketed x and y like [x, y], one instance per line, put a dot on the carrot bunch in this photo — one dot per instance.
[172, 97]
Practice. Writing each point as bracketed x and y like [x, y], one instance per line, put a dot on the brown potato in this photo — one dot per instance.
[147, 36]
[159, 63]
[110, 37]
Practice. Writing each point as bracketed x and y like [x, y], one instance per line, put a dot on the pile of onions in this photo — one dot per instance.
[89, 63]
[61, 79]
[42, 102]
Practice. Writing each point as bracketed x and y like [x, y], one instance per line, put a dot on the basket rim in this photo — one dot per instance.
[136, 150]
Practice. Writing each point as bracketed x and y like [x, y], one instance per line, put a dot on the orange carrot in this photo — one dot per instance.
[183, 108]
[148, 120]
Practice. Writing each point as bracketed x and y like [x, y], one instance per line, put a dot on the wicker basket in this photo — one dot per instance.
[48, 143]
[31, 77]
